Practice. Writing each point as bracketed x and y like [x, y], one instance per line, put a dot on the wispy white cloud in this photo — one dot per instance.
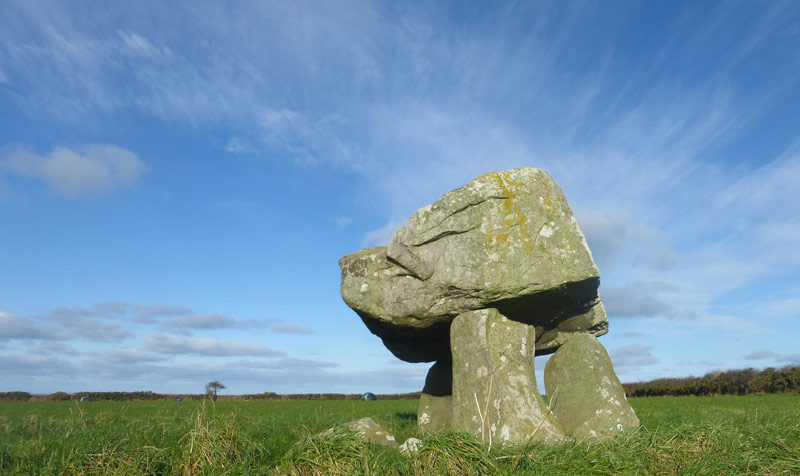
[200, 321]
[774, 356]
[761, 354]
[634, 355]
[343, 222]
[658, 258]
[129, 355]
[638, 299]
[53, 347]
[153, 313]
[284, 364]
[14, 327]
[238, 146]
[291, 329]
[138, 45]
[91, 171]
[88, 329]
[37, 365]
[107, 310]
[731, 323]
[174, 345]
[606, 234]
[59, 327]
[115, 322]
[781, 308]
[382, 236]
[632, 335]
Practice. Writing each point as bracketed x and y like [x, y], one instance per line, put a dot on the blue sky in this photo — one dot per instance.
[178, 181]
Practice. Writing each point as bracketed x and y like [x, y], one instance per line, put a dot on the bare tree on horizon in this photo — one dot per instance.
[213, 387]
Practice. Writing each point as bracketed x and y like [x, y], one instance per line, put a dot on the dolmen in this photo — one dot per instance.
[491, 275]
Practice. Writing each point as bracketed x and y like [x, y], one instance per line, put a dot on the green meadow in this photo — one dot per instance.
[755, 434]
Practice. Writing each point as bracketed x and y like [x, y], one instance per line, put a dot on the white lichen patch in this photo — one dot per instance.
[546, 231]
[411, 445]
[364, 287]
[424, 419]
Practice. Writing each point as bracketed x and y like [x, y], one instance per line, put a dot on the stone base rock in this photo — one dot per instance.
[589, 399]
[368, 430]
[495, 396]
[436, 400]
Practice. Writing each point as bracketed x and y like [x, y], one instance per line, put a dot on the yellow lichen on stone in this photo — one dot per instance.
[512, 217]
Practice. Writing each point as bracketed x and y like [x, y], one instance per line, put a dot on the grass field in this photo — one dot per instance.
[680, 435]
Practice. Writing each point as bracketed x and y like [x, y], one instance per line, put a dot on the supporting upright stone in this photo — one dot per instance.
[436, 400]
[494, 386]
[590, 400]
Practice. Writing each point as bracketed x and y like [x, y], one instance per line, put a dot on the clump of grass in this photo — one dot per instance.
[452, 453]
[213, 443]
[338, 453]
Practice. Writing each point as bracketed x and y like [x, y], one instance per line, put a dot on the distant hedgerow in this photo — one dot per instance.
[730, 382]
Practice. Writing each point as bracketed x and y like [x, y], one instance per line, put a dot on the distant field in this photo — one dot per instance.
[681, 435]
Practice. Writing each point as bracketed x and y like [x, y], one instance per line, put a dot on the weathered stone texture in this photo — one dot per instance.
[506, 240]
[368, 430]
[434, 413]
[495, 396]
[436, 401]
[490, 275]
[590, 401]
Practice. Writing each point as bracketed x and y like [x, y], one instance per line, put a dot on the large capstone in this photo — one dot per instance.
[506, 240]
[586, 395]
[408, 314]
[495, 396]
